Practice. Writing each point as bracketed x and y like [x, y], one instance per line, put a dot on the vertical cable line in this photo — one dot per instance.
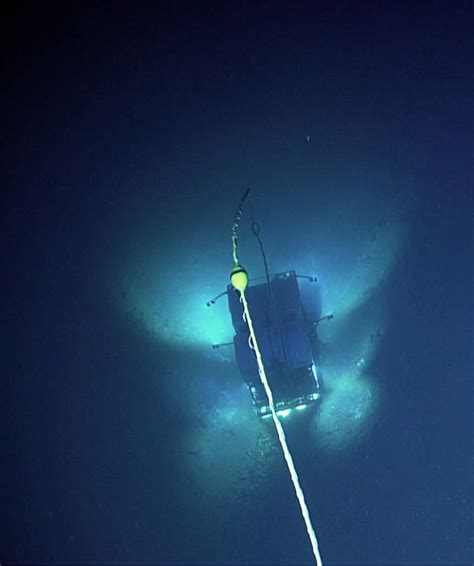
[239, 279]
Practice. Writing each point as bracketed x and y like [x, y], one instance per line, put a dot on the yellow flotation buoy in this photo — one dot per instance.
[239, 277]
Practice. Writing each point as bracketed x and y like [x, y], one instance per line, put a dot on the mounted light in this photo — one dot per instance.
[284, 413]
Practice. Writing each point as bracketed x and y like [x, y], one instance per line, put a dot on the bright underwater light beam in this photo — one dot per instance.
[281, 434]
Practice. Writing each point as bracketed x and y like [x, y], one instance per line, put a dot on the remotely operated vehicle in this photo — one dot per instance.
[287, 338]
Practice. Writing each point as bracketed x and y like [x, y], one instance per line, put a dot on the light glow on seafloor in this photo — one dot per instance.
[346, 414]
[179, 314]
[352, 256]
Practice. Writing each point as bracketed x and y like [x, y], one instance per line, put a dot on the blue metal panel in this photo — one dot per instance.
[287, 298]
[267, 327]
[297, 346]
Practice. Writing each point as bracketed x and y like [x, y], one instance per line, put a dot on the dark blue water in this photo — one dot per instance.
[129, 136]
